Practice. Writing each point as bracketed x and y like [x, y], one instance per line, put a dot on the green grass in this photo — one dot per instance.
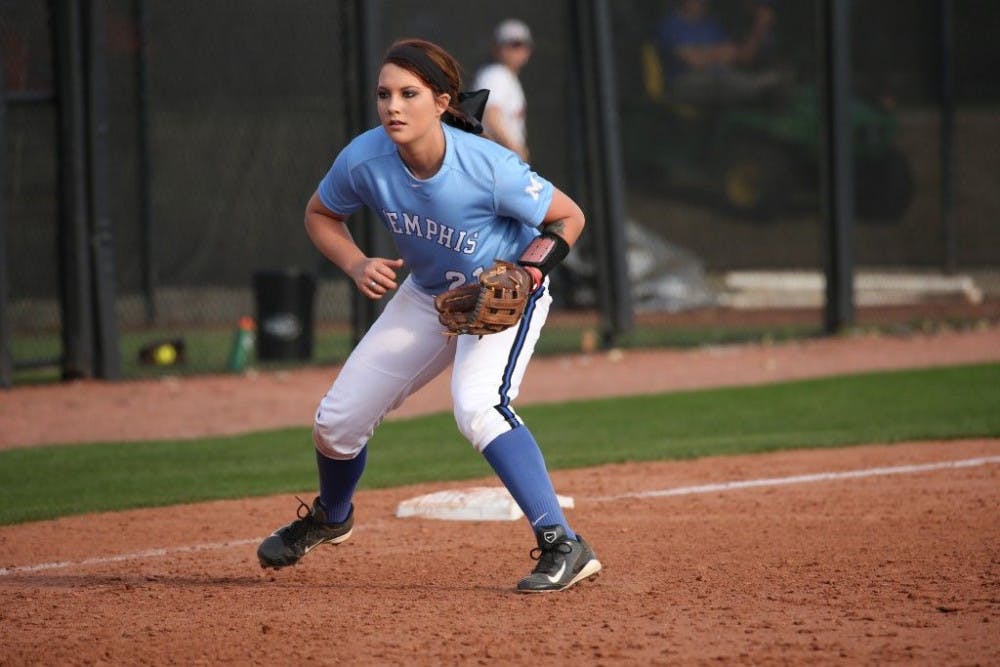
[942, 403]
[566, 339]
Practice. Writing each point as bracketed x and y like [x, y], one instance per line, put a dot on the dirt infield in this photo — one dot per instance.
[874, 554]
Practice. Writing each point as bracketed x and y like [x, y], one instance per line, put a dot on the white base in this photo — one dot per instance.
[479, 503]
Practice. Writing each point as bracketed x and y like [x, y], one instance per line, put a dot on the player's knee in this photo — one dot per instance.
[480, 424]
[335, 438]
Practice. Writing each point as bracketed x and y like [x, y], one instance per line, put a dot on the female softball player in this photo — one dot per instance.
[454, 202]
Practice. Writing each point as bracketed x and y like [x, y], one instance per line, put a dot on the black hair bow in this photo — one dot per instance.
[472, 104]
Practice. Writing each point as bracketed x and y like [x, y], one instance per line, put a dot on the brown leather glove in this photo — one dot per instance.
[495, 304]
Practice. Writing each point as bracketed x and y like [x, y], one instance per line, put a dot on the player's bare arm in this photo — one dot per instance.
[564, 218]
[561, 227]
[328, 231]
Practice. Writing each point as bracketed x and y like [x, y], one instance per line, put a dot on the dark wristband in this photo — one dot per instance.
[545, 252]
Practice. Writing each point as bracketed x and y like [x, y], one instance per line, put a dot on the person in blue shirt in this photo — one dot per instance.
[703, 63]
[453, 202]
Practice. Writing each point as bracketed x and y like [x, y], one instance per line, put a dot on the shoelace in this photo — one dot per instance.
[303, 506]
[546, 556]
[297, 529]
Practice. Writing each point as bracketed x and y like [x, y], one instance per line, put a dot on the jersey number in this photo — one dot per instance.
[457, 278]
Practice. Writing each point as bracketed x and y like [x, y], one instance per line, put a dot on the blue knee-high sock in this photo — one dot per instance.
[337, 481]
[518, 462]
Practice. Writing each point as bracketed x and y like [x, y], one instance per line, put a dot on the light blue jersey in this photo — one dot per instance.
[483, 204]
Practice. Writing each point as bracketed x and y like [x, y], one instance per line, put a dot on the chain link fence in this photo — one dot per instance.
[224, 115]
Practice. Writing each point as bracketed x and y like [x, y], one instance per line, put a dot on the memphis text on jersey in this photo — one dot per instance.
[443, 235]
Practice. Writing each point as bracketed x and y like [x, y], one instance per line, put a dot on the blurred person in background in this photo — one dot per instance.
[703, 63]
[506, 108]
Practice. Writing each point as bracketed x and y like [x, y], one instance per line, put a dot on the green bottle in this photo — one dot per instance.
[242, 347]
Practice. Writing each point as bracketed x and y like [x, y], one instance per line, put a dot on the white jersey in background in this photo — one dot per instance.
[507, 95]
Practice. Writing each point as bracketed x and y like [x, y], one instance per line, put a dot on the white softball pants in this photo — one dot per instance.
[404, 350]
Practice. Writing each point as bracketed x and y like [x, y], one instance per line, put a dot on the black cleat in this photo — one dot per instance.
[287, 545]
[562, 562]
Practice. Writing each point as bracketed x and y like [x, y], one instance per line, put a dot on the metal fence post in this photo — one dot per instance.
[837, 165]
[147, 234]
[947, 11]
[358, 39]
[75, 295]
[6, 364]
[603, 198]
[102, 259]
[620, 307]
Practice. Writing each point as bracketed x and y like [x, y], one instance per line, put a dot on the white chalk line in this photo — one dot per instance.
[660, 493]
[101, 560]
[802, 479]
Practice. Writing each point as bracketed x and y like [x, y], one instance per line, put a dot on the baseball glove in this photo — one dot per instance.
[491, 306]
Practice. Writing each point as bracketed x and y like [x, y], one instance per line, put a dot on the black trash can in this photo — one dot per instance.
[284, 314]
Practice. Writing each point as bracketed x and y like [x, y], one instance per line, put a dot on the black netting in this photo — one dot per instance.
[224, 116]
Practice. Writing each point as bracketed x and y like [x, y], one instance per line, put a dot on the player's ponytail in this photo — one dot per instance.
[442, 73]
